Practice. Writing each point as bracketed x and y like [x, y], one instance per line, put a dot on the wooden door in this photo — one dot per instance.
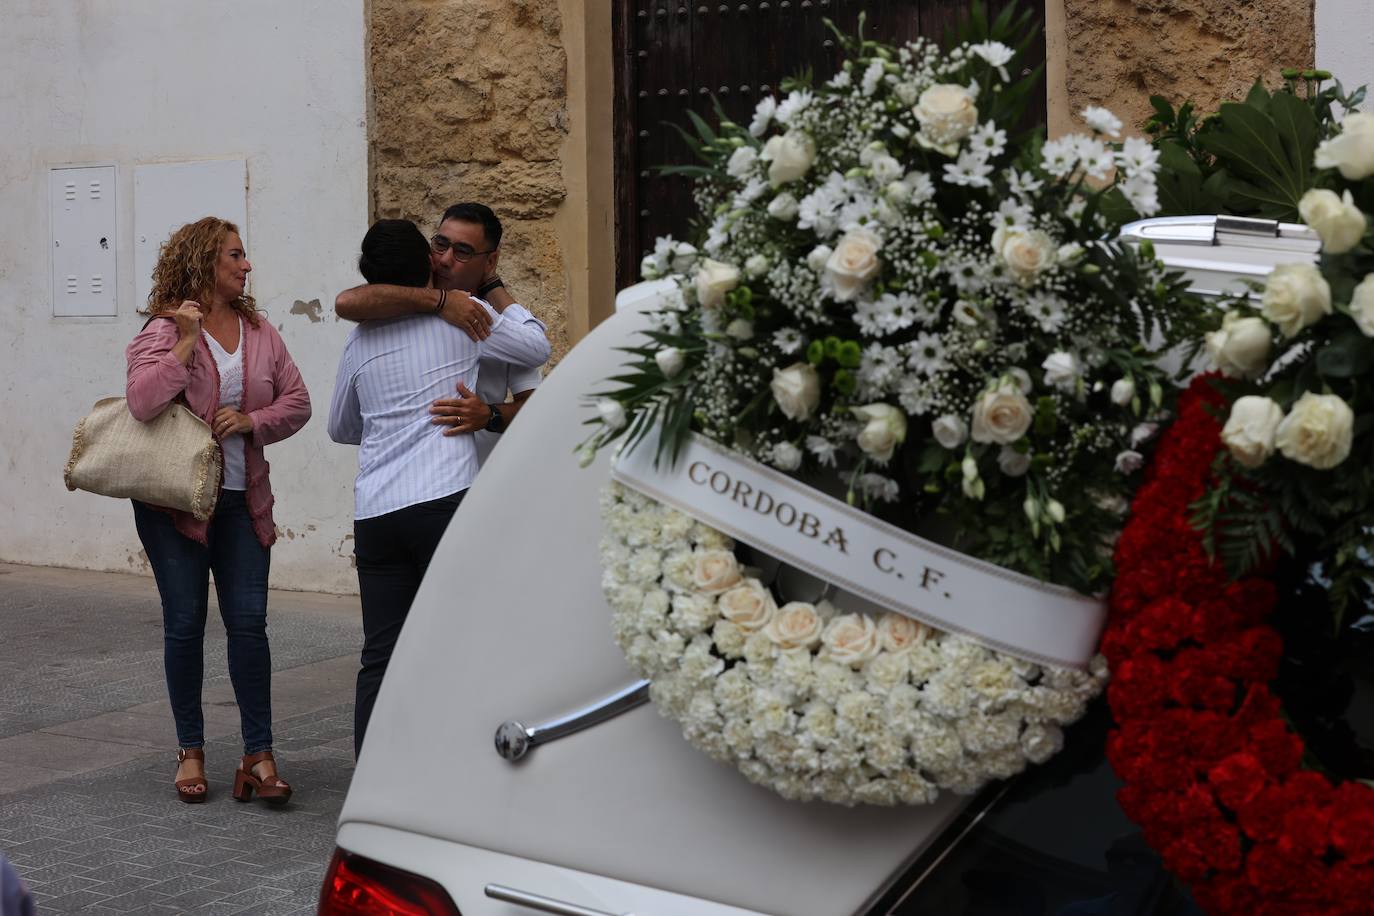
[674, 55]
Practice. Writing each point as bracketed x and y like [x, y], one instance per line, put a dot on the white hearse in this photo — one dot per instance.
[596, 804]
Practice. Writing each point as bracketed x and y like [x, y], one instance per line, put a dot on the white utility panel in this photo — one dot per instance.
[81, 202]
[168, 195]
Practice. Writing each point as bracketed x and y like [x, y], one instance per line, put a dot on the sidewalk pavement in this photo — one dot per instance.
[87, 751]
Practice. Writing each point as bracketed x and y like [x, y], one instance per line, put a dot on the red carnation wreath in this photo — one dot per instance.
[1212, 772]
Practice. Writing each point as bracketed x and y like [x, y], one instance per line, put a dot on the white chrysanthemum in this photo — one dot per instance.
[926, 354]
[1102, 121]
[763, 115]
[788, 340]
[793, 105]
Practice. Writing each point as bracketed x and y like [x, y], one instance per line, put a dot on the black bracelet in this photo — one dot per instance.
[443, 297]
[490, 285]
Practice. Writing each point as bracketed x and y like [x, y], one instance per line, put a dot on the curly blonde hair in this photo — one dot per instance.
[186, 268]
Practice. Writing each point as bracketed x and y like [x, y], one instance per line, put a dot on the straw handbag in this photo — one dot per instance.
[172, 460]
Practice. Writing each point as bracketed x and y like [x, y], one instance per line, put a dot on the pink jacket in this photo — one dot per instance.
[274, 396]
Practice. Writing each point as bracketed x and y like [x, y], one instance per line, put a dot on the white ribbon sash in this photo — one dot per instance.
[803, 527]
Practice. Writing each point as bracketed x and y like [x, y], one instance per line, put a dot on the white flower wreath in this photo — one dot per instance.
[808, 700]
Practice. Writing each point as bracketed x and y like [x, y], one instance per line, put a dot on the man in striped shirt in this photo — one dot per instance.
[411, 477]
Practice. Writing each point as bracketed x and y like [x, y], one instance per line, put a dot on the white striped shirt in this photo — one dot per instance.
[389, 374]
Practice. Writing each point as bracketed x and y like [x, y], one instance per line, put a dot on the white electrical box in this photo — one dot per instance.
[168, 195]
[84, 229]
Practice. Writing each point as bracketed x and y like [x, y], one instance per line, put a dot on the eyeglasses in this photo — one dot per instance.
[461, 253]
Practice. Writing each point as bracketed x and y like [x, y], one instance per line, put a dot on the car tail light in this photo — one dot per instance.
[358, 886]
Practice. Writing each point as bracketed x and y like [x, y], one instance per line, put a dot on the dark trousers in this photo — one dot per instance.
[392, 553]
[182, 569]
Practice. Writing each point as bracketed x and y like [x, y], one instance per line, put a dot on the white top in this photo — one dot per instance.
[389, 375]
[494, 379]
[230, 366]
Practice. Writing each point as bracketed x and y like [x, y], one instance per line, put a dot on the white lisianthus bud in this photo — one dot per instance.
[1123, 391]
[969, 468]
[1362, 305]
[1352, 150]
[1032, 508]
[585, 456]
[1002, 414]
[786, 456]
[947, 114]
[741, 162]
[1013, 463]
[817, 258]
[648, 267]
[884, 430]
[1022, 378]
[797, 390]
[1317, 432]
[1062, 370]
[1129, 461]
[670, 361]
[1054, 511]
[1240, 348]
[899, 192]
[950, 431]
[756, 266]
[684, 256]
[854, 263]
[612, 412]
[740, 329]
[1027, 254]
[1295, 296]
[1250, 429]
[789, 156]
[713, 280]
[783, 207]
[1337, 220]
[1070, 252]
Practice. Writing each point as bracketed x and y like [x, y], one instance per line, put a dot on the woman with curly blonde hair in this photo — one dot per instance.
[206, 344]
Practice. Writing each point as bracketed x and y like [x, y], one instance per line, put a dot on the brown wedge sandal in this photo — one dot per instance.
[271, 789]
[186, 788]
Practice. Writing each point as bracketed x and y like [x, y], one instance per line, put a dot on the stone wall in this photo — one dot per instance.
[470, 103]
[1122, 51]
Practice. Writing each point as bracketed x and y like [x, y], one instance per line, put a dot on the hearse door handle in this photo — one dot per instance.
[513, 740]
[542, 904]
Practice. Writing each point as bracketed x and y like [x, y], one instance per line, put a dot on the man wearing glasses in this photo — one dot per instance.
[465, 250]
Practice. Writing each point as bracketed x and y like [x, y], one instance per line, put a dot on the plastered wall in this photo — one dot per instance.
[282, 85]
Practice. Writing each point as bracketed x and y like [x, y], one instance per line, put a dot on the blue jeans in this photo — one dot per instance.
[182, 568]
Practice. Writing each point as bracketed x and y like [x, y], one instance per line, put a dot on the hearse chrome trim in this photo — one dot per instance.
[514, 740]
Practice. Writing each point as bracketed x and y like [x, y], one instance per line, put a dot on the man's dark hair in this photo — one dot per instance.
[395, 252]
[476, 213]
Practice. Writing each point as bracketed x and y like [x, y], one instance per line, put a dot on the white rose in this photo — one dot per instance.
[1123, 391]
[789, 156]
[1001, 415]
[670, 361]
[741, 161]
[1295, 296]
[786, 456]
[851, 639]
[950, 431]
[713, 280]
[1317, 432]
[783, 207]
[1362, 305]
[714, 571]
[740, 329]
[612, 412]
[796, 625]
[1338, 221]
[684, 256]
[884, 430]
[1249, 431]
[817, 258]
[1012, 462]
[1352, 150]
[1062, 370]
[748, 606]
[797, 389]
[1027, 254]
[853, 263]
[1129, 461]
[1240, 348]
[947, 114]
[899, 633]
[756, 266]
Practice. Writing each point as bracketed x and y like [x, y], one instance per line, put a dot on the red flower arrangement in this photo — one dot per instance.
[1212, 772]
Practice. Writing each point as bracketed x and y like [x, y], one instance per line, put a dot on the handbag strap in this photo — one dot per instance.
[181, 395]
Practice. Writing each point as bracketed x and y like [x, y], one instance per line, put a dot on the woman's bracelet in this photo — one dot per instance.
[443, 297]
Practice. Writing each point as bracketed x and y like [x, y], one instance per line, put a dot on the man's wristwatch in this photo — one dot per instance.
[490, 285]
[495, 423]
